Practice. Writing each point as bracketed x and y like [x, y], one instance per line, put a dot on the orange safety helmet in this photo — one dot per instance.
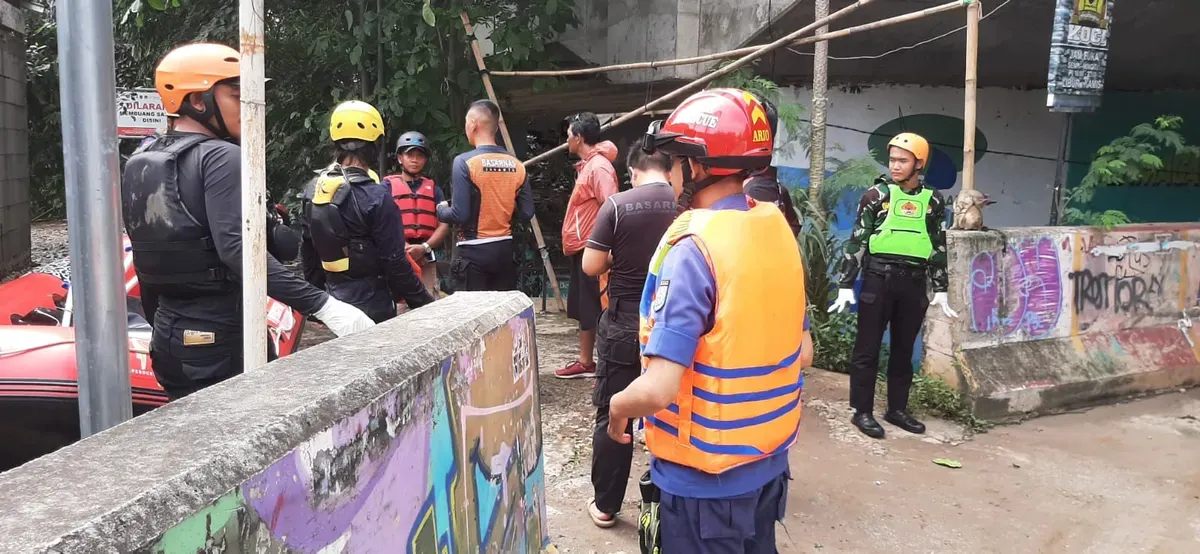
[194, 68]
[727, 130]
[913, 143]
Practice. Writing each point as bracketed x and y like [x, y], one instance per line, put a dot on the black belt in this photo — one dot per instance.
[621, 305]
[900, 269]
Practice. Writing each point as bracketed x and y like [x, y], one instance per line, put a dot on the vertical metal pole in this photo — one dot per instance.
[254, 185]
[969, 84]
[1060, 170]
[820, 103]
[89, 129]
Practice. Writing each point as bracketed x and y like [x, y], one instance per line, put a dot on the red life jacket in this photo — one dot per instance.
[418, 210]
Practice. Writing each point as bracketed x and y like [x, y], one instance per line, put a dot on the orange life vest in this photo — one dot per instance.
[740, 400]
[418, 210]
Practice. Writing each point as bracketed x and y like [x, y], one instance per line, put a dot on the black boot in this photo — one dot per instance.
[867, 424]
[903, 420]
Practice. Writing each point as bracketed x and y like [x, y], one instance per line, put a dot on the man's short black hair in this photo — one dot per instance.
[641, 160]
[493, 111]
[586, 125]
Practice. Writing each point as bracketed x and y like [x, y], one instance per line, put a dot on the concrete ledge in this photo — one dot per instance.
[1054, 318]
[420, 433]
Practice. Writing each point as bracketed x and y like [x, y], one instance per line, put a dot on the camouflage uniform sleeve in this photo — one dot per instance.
[864, 226]
[937, 234]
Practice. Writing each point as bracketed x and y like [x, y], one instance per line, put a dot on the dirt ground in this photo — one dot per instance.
[1120, 479]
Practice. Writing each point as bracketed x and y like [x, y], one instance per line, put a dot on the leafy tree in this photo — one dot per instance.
[1128, 159]
[317, 54]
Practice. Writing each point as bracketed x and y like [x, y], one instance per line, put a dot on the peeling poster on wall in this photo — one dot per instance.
[1078, 55]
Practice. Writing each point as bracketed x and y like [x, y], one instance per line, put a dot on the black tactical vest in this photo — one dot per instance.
[344, 255]
[172, 251]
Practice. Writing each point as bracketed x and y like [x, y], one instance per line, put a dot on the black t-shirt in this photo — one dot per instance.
[630, 225]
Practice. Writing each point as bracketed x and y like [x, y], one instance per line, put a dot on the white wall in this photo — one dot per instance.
[1015, 124]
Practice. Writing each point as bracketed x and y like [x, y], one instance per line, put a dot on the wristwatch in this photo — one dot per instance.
[426, 247]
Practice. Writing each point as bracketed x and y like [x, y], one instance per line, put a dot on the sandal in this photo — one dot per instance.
[598, 516]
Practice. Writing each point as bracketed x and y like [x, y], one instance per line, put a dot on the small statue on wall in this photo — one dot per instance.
[968, 210]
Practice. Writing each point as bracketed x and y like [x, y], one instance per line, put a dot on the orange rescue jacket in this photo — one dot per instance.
[740, 400]
[418, 210]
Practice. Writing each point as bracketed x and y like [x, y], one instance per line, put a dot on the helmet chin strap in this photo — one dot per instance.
[211, 112]
[691, 186]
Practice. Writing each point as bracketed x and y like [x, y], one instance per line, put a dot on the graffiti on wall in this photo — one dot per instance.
[1018, 289]
[457, 468]
[1094, 280]
[1127, 278]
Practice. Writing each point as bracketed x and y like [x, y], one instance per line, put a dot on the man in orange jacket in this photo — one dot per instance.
[721, 381]
[597, 181]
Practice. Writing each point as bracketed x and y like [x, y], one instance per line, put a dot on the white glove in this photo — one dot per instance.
[844, 299]
[940, 299]
[342, 318]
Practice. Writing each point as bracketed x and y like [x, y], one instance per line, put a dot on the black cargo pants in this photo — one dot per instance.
[892, 294]
[618, 363]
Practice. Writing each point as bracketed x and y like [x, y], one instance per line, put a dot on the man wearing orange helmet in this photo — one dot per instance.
[720, 384]
[899, 240]
[182, 206]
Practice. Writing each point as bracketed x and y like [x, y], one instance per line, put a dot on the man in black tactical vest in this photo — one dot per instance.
[181, 200]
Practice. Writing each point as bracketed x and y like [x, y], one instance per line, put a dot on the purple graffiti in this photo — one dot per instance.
[1020, 289]
[390, 482]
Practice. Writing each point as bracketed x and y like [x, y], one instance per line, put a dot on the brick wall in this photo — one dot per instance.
[14, 146]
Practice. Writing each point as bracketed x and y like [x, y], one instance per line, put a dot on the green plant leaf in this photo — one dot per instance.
[551, 7]
[157, 4]
[1152, 161]
[349, 19]
[427, 14]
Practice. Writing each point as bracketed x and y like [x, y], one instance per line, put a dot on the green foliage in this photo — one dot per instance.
[833, 339]
[47, 191]
[931, 396]
[1129, 159]
[318, 54]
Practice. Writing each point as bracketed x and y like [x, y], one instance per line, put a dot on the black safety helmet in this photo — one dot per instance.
[410, 140]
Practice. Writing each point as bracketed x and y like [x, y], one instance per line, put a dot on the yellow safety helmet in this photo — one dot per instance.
[355, 120]
[914, 143]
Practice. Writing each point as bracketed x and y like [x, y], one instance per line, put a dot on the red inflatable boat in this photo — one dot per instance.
[39, 391]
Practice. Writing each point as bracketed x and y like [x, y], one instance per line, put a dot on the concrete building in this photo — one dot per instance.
[14, 149]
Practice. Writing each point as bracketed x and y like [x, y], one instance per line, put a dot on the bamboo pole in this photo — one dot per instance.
[785, 41]
[491, 92]
[819, 37]
[973, 16]
[820, 101]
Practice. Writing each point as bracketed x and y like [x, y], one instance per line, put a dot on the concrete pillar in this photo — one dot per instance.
[14, 146]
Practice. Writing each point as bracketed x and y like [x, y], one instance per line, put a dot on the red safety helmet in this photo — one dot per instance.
[726, 130]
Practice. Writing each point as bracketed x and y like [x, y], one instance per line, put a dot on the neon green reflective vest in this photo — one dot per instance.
[904, 231]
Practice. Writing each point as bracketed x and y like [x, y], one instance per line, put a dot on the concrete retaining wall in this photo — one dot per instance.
[14, 147]
[419, 435]
[1057, 317]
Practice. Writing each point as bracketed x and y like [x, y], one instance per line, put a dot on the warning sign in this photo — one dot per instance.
[140, 113]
